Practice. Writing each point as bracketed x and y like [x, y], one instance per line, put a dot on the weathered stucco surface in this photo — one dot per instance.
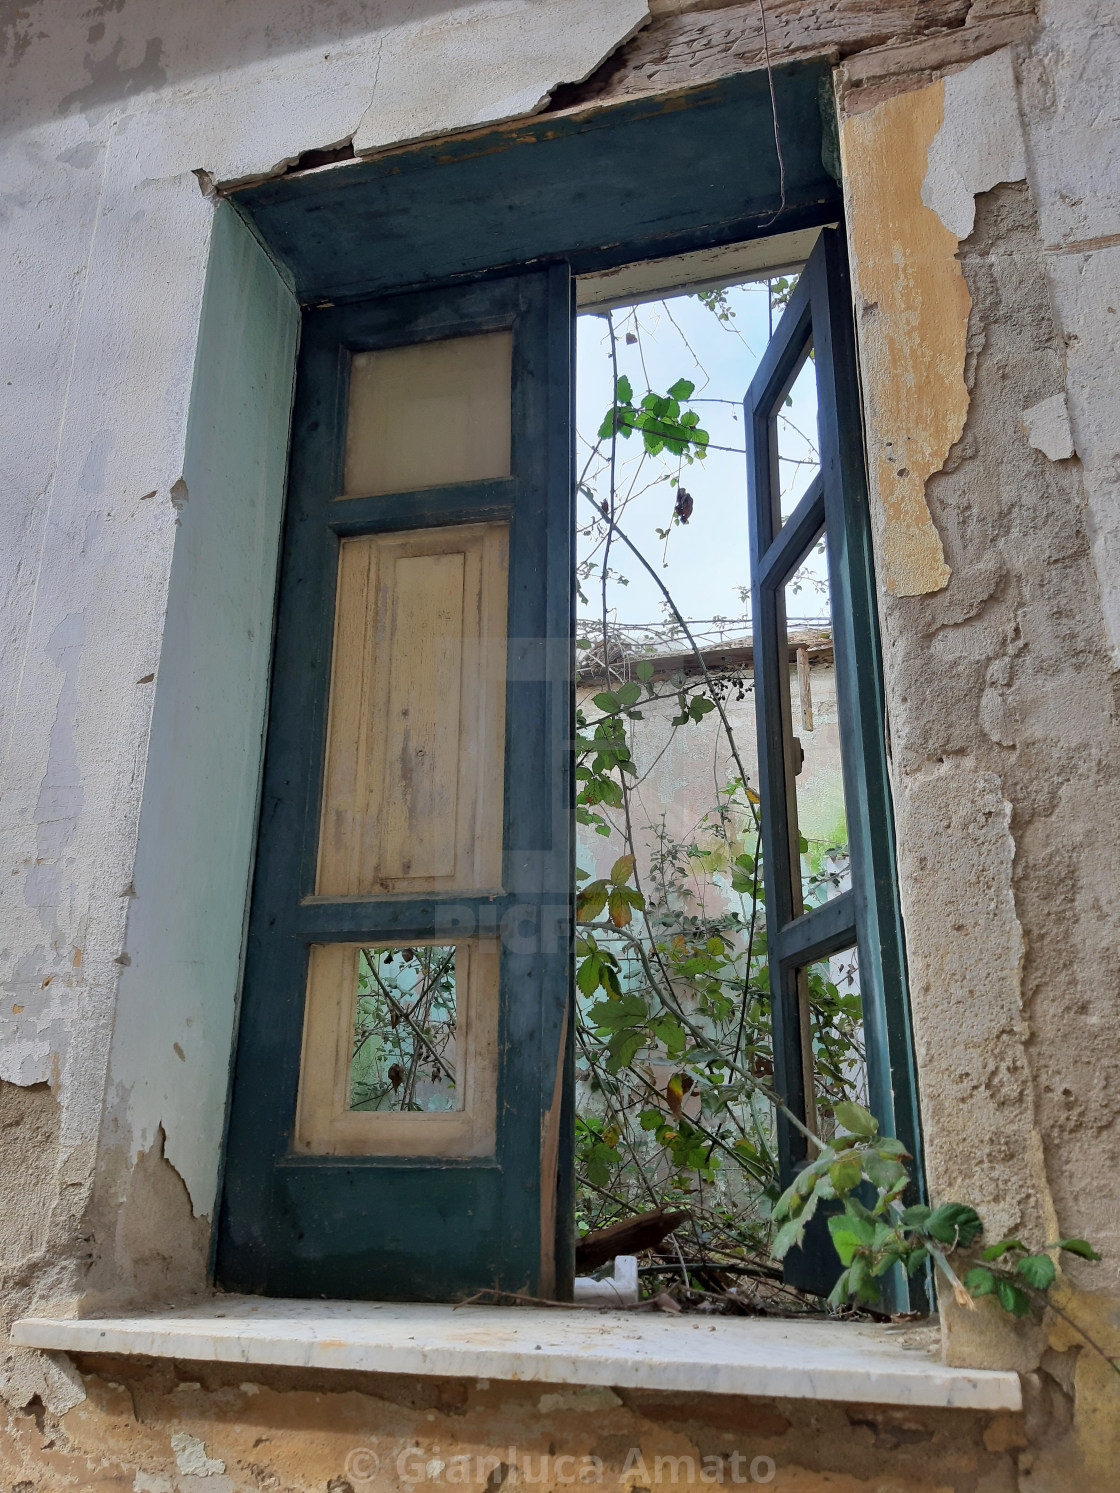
[887, 46]
[1001, 777]
[196, 1428]
[990, 245]
[913, 317]
[1003, 725]
[114, 533]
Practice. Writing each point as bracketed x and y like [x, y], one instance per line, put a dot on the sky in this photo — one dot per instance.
[705, 562]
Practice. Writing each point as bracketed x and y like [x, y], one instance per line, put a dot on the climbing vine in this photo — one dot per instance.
[674, 1043]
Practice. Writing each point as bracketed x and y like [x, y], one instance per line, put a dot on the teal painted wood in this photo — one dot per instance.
[596, 188]
[186, 927]
[819, 314]
[440, 213]
[383, 1227]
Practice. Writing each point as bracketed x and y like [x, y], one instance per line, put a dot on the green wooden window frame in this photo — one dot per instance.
[410, 1227]
[818, 317]
[475, 233]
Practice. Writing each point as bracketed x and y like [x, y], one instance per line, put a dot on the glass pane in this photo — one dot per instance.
[405, 1021]
[814, 723]
[836, 1021]
[796, 439]
[429, 414]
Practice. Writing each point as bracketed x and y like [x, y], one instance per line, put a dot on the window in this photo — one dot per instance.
[816, 329]
[416, 808]
[402, 1102]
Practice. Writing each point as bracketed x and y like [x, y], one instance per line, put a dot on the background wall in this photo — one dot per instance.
[985, 222]
[138, 554]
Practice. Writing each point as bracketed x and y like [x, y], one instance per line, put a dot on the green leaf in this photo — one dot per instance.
[954, 1224]
[885, 1173]
[979, 1281]
[622, 870]
[644, 670]
[590, 902]
[623, 391]
[858, 1220]
[845, 1174]
[855, 1118]
[1038, 1271]
[1080, 1247]
[606, 701]
[791, 1232]
[671, 1034]
[860, 1283]
[682, 389]
[587, 975]
[915, 1217]
[997, 1251]
[841, 1290]
[915, 1260]
[610, 1015]
[618, 908]
[845, 1241]
[1012, 1299]
[629, 693]
[886, 1145]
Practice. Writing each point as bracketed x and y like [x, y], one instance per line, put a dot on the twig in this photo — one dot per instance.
[691, 641]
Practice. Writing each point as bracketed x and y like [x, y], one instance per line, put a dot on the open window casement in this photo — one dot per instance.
[402, 1114]
[815, 336]
[396, 1116]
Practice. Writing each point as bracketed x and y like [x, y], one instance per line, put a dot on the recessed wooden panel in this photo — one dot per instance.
[429, 414]
[412, 798]
[326, 1122]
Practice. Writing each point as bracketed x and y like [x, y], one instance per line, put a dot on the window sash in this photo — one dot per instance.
[819, 314]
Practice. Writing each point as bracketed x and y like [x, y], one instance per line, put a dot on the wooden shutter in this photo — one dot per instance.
[417, 800]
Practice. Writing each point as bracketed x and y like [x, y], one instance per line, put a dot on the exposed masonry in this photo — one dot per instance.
[886, 47]
[304, 1432]
[989, 731]
[1003, 713]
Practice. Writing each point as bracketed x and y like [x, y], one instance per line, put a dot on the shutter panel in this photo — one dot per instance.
[400, 1068]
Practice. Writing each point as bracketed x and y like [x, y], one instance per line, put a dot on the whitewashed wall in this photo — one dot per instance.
[138, 547]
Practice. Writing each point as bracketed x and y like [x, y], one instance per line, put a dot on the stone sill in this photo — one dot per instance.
[841, 1361]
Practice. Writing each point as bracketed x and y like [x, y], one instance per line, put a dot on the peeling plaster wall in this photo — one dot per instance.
[1001, 688]
[111, 120]
[984, 212]
[1067, 89]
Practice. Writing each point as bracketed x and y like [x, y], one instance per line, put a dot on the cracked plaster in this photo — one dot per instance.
[106, 236]
[994, 605]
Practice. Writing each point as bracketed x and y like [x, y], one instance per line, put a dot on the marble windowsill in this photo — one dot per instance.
[731, 1355]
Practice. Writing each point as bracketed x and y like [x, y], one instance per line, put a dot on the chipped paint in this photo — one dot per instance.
[913, 167]
[1047, 427]
[979, 142]
[913, 308]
